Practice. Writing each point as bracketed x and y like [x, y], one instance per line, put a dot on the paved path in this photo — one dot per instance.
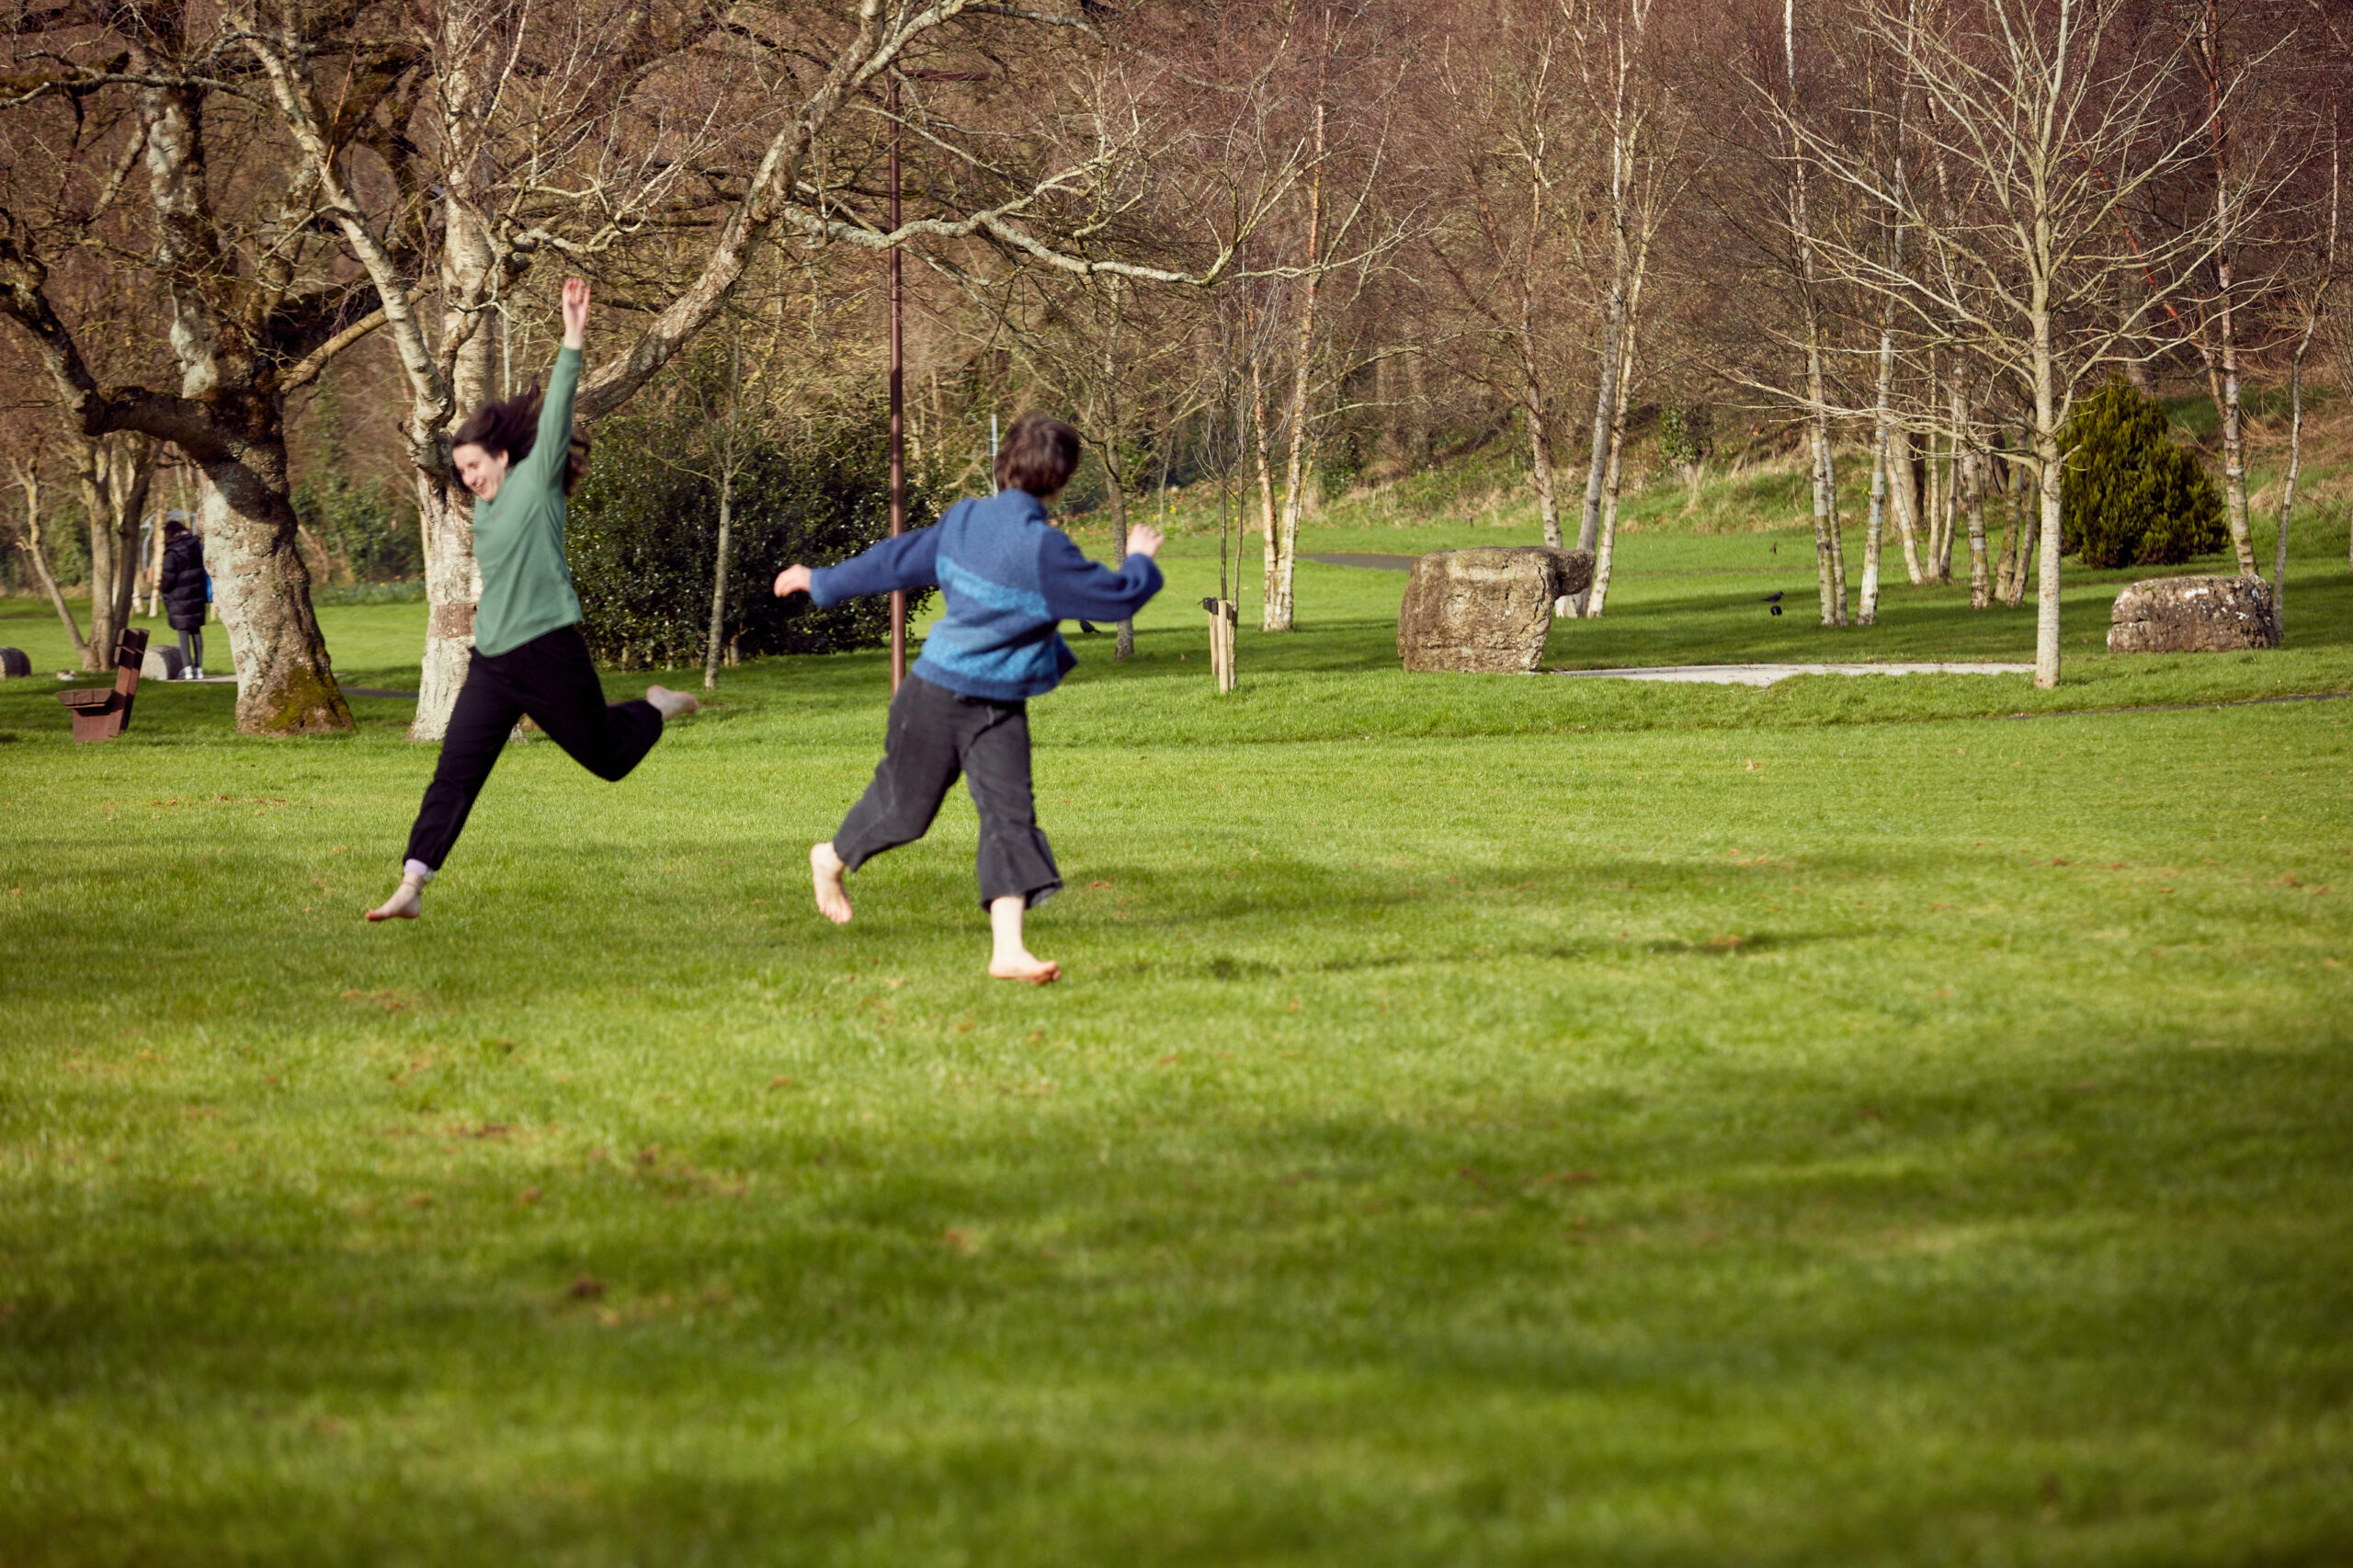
[1765, 675]
[1378, 562]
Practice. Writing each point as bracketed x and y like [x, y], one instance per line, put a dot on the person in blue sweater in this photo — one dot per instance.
[1007, 578]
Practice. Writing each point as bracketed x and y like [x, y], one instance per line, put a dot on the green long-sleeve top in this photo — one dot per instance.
[519, 533]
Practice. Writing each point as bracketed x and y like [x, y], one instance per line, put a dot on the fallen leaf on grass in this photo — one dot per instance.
[779, 1082]
[420, 1201]
[587, 1288]
[1727, 940]
[529, 1196]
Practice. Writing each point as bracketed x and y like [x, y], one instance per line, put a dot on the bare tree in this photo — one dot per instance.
[1613, 38]
[2049, 113]
[232, 245]
[781, 105]
[1503, 138]
[2314, 305]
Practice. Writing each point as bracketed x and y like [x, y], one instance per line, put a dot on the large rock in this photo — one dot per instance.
[1486, 610]
[163, 662]
[2194, 615]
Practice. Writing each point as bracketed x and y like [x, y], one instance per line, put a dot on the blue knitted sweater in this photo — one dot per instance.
[1008, 578]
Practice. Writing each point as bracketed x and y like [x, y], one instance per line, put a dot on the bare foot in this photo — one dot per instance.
[1009, 956]
[407, 903]
[671, 704]
[1023, 965]
[825, 870]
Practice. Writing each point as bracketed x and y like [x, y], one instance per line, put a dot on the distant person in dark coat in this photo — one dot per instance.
[186, 591]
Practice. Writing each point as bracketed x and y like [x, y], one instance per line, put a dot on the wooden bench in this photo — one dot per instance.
[100, 713]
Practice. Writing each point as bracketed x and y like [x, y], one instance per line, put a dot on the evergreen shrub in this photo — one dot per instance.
[368, 526]
[1686, 436]
[645, 530]
[2131, 495]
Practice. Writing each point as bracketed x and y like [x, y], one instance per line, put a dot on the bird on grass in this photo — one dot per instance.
[1774, 599]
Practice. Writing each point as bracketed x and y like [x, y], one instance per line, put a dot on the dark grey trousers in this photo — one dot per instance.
[935, 735]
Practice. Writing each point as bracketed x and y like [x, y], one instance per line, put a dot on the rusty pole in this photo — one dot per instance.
[898, 408]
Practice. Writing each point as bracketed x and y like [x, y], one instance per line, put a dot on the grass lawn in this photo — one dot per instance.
[1488, 1120]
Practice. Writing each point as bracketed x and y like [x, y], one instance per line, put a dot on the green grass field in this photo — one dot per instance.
[1488, 1119]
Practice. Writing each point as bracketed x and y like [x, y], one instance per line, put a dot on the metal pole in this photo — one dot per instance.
[898, 408]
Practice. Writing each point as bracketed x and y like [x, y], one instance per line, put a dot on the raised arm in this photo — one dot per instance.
[1077, 588]
[551, 449]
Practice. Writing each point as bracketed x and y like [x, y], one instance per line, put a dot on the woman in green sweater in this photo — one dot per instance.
[528, 654]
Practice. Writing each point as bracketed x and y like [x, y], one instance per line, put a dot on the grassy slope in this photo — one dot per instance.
[1489, 1120]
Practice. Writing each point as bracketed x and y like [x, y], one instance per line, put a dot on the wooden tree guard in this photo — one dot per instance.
[100, 713]
[1224, 616]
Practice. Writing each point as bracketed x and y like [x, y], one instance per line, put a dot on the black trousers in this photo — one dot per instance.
[192, 646]
[552, 679]
[934, 735]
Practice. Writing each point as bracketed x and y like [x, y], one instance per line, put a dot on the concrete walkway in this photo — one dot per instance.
[1765, 675]
[1377, 563]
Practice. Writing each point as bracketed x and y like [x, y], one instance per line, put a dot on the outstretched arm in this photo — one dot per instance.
[551, 450]
[910, 561]
[1077, 588]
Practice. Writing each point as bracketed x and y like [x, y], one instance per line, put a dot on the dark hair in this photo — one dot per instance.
[512, 426]
[1039, 455]
[173, 527]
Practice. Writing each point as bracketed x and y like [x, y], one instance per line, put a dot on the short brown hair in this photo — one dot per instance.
[1039, 455]
[512, 426]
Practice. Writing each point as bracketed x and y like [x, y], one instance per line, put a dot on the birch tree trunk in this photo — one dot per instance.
[2296, 401]
[2223, 369]
[1531, 379]
[1935, 489]
[31, 543]
[471, 338]
[1904, 478]
[1830, 565]
[1969, 492]
[1262, 452]
[1278, 614]
[1606, 553]
[2048, 412]
[1605, 403]
[1875, 526]
[1882, 421]
[1604, 556]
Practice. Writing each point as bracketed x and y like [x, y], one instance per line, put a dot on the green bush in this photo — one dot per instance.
[2131, 495]
[644, 529]
[368, 526]
[1686, 436]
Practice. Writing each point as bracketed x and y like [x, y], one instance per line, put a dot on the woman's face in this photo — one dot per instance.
[483, 471]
